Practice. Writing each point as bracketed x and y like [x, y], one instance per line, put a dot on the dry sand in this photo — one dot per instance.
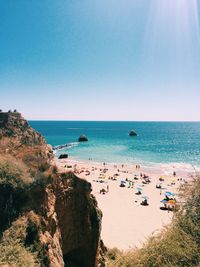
[126, 223]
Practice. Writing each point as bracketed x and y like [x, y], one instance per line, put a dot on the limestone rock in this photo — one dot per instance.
[12, 124]
[19, 139]
[132, 133]
[62, 222]
[63, 156]
[83, 138]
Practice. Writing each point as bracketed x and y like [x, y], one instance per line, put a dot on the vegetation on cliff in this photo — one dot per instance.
[47, 218]
[14, 248]
[177, 246]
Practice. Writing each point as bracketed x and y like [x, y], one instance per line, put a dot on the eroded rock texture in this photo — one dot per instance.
[57, 215]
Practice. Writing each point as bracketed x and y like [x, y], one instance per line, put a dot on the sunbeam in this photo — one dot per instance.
[173, 33]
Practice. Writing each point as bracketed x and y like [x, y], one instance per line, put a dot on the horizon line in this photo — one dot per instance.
[64, 120]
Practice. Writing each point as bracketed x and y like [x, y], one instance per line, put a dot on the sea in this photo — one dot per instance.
[156, 143]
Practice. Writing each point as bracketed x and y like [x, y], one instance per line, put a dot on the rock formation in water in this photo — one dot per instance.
[63, 156]
[47, 218]
[59, 147]
[83, 138]
[132, 133]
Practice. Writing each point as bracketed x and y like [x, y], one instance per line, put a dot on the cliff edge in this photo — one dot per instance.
[48, 219]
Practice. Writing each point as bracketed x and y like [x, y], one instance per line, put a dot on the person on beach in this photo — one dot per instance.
[144, 203]
[103, 191]
[107, 188]
[138, 192]
[137, 167]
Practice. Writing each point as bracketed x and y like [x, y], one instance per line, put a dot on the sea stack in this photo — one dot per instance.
[83, 138]
[132, 133]
[63, 156]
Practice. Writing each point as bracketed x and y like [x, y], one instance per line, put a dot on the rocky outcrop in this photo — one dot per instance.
[12, 124]
[132, 133]
[60, 147]
[19, 139]
[83, 138]
[71, 218]
[61, 220]
[68, 220]
[63, 156]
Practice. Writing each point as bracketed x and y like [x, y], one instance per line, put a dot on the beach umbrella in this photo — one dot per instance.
[139, 189]
[171, 201]
[145, 197]
[163, 201]
[171, 204]
[169, 193]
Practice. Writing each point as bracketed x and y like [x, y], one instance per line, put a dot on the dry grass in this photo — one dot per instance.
[13, 252]
[177, 246]
[13, 172]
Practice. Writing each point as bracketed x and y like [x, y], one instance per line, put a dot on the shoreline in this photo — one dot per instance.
[126, 223]
[160, 168]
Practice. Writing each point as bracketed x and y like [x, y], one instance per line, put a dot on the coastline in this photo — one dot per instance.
[181, 168]
[126, 223]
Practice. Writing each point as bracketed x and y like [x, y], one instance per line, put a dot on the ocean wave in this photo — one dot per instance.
[69, 145]
[75, 128]
[93, 129]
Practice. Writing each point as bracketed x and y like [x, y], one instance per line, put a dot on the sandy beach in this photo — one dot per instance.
[126, 223]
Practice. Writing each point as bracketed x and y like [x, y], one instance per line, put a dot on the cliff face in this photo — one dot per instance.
[13, 125]
[59, 216]
[71, 219]
[17, 138]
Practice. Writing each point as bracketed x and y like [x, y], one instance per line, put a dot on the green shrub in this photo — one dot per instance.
[15, 254]
[13, 173]
[29, 158]
[42, 180]
[12, 249]
[54, 169]
[35, 160]
[43, 166]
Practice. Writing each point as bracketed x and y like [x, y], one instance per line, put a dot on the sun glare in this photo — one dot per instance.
[173, 31]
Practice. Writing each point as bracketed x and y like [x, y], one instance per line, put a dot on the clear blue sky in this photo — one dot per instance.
[100, 60]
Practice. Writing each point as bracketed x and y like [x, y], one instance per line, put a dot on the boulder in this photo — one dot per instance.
[83, 138]
[132, 133]
[63, 156]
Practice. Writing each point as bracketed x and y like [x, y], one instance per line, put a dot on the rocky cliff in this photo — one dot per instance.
[48, 219]
[12, 124]
[18, 139]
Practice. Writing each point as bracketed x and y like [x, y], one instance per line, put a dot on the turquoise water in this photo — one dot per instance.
[157, 142]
